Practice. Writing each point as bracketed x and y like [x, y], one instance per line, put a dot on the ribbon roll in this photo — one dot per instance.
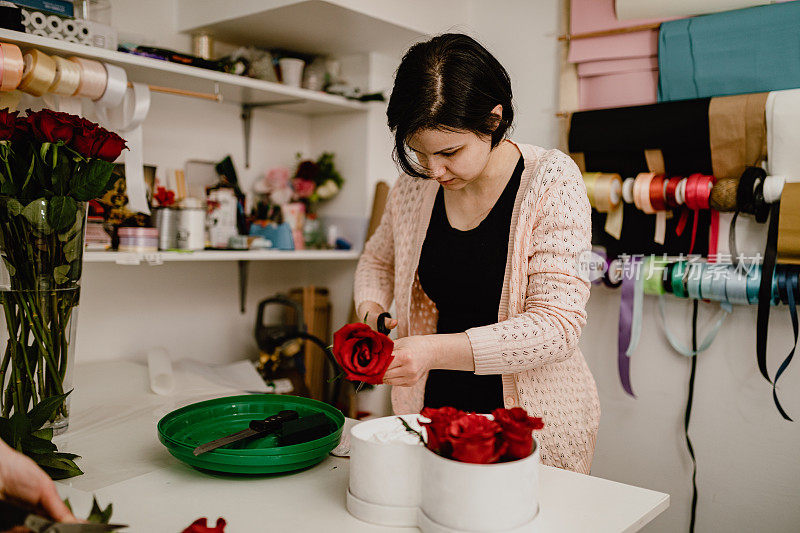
[679, 272]
[641, 192]
[604, 192]
[659, 203]
[671, 190]
[67, 79]
[13, 66]
[38, 73]
[680, 192]
[93, 78]
[653, 273]
[697, 197]
[627, 190]
[116, 85]
[126, 119]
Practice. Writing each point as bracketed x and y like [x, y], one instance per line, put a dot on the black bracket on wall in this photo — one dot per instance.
[247, 119]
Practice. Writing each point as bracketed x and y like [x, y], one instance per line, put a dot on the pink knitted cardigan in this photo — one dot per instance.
[534, 344]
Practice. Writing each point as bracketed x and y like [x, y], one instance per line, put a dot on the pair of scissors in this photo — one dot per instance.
[15, 518]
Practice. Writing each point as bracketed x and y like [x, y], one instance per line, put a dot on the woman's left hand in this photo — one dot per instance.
[413, 356]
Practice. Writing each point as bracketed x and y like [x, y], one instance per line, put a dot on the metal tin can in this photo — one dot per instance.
[167, 223]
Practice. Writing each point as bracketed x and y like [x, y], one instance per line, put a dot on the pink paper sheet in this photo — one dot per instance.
[617, 66]
[618, 90]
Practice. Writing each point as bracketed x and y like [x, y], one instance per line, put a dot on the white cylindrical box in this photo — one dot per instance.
[385, 477]
[191, 228]
[493, 498]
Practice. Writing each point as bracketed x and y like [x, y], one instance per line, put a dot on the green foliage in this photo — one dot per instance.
[23, 432]
[97, 515]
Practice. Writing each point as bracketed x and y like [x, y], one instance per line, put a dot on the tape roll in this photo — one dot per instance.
[70, 28]
[54, 24]
[38, 20]
[68, 77]
[38, 74]
[116, 85]
[93, 78]
[13, 66]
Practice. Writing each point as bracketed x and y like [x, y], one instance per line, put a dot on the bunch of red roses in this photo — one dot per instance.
[474, 438]
[83, 136]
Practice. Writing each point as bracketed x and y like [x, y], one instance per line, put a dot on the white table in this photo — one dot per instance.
[113, 427]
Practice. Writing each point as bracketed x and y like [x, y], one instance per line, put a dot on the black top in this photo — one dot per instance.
[462, 272]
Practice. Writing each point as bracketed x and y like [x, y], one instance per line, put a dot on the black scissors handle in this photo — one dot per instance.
[382, 323]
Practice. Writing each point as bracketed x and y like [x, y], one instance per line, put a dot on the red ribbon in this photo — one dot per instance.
[657, 199]
[698, 196]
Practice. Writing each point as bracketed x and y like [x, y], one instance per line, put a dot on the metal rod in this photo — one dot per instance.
[217, 97]
[615, 31]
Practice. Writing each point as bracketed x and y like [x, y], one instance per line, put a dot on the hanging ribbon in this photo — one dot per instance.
[788, 290]
[697, 195]
[116, 86]
[765, 291]
[126, 119]
[630, 320]
[688, 415]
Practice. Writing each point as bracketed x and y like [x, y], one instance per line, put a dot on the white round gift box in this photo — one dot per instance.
[385, 477]
[500, 497]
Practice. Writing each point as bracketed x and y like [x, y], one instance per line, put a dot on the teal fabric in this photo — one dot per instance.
[744, 51]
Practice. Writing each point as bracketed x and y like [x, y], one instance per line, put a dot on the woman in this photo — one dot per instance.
[478, 247]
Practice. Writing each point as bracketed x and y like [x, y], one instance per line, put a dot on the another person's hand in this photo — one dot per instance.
[413, 357]
[372, 311]
[22, 480]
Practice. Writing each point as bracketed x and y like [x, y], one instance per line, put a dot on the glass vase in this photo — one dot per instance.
[40, 292]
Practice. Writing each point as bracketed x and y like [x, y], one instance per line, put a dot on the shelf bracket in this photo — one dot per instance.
[242, 285]
[247, 119]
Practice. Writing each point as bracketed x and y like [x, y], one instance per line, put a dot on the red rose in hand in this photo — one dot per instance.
[201, 526]
[436, 429]
[363, 354]
[50, 126]
[108, 145]
[8, 124]
[475, 439]
[518, 430]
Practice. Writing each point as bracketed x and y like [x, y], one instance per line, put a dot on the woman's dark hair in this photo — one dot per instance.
[450, 82]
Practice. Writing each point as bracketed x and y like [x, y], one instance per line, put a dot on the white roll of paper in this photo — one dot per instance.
[159, 368]
[38, 20]
[54, 24]
[640, 9]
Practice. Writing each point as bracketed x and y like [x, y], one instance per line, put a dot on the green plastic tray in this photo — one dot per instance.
[182, 430]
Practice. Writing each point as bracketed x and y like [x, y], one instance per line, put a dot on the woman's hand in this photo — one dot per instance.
[413, 357]
[21, 479]
[372, 311]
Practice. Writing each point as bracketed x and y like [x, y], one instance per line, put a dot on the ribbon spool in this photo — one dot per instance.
[38, 73]
[627, 190]
[679, 272]
[67, 79]
[641, 192]
[605, 195]
[13, 66]
[671, 190]
[653, 272]
[697, 196]
[93, 78]
[116, 85]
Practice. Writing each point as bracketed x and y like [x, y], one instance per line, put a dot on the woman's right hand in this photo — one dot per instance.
[372, 311]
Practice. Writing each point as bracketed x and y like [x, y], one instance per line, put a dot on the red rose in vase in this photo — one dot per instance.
[84, 139]
[475, 439]
[8, 124]
[50, 126]
[518, 429]
[363, 354]
[436, 429]
[303, 188]
[108, 145]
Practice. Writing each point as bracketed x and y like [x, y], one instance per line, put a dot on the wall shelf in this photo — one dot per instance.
[327, 27]
[157, 258]
[234, 89]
